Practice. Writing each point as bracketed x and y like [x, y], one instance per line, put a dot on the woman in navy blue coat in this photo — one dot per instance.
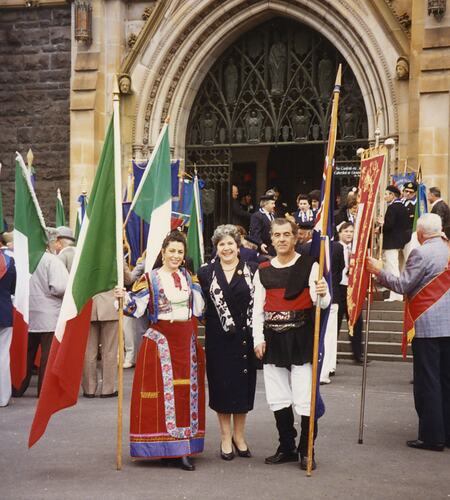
[227, 284]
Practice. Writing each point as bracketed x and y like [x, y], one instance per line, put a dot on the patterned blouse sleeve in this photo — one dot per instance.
[136, 301]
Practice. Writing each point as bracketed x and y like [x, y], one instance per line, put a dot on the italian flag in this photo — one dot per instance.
[94, 270]
[195, 249]
[153, 198]
[30, 243]
[60, 216]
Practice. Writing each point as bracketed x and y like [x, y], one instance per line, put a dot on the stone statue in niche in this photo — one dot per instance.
[402, 68]
[125, 84]
[316, 131]
[208, 129]
[300, 125]
[253, 123]
[326, 76]
[239, 135]
[268, 133]
[231, 82]
[285, 133]
[222, 135]
[349, 123]
[277, 65]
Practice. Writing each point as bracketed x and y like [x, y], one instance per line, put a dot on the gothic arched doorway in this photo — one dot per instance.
[261, 116]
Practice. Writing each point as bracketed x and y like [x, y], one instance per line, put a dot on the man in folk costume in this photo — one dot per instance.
[283, 331]
[426, 283]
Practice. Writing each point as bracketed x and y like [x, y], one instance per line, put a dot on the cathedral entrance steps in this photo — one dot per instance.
[385, 333]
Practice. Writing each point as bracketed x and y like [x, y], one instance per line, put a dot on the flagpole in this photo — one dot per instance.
[366, 343]
[146, 171]
[326, 207]
[119, 259]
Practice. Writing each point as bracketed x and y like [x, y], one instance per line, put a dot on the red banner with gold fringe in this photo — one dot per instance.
[358, 278]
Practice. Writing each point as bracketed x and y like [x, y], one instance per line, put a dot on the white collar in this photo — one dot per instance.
[276, 263]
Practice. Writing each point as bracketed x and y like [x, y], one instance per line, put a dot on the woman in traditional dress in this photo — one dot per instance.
[167, 417]
[227, 284]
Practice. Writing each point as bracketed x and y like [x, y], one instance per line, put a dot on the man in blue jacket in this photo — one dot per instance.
[7, 287]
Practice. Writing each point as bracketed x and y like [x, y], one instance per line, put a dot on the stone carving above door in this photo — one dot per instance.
[274, 85]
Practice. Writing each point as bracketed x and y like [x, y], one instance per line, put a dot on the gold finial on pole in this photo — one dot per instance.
[83, 185]
[30, 158]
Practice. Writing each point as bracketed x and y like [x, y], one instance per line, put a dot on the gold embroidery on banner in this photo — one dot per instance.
[149, 395]
[181, 381]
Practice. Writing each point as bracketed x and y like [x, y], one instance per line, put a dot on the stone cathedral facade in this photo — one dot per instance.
[246, 84]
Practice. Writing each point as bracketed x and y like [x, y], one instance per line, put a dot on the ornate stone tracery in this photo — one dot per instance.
[274, 86]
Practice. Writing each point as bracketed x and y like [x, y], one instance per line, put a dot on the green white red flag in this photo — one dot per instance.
[30, 243]
[95, 269]
[153, 198]
[60, 217]
[195, 248]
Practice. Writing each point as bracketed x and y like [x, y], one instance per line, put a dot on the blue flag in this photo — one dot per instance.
[421, 203]
[327, 274]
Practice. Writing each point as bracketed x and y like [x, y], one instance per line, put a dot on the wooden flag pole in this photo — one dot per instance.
[326, 207]
[119, 260]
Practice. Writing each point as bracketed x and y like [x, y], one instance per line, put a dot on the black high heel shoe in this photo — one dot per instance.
[186, 464]
[242, 453]
[226, 456]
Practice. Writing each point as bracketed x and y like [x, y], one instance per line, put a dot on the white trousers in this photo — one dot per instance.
[285, 388]
[391, 264]
[412, 243]
[5, 372]
[329, 360]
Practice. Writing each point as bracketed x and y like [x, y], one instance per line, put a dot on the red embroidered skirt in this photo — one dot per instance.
[168, 397]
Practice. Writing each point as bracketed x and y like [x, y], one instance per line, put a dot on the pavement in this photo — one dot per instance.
[75, 459]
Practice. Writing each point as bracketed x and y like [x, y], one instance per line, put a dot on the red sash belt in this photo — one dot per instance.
[421, 302]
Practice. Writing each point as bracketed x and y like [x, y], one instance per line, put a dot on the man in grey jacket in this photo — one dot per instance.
[47, 286]
[426, 283]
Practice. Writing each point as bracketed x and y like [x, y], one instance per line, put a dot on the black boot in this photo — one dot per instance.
[286, 452]
[303, 444]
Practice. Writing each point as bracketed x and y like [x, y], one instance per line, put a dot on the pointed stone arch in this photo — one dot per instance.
[173, 63]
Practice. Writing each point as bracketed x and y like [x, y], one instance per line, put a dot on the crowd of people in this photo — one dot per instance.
[256, 298]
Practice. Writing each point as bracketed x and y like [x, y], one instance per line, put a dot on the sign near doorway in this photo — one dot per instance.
[347, 170]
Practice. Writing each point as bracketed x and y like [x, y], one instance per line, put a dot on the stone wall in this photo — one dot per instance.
[34, 101]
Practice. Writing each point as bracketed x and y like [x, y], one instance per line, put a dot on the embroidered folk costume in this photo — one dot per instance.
[283, 317]
[167, 418]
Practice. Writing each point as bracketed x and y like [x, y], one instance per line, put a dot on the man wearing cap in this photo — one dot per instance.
[304, 237]
[395, 227]
[260, 224]
[409, 200]
[65, 246]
